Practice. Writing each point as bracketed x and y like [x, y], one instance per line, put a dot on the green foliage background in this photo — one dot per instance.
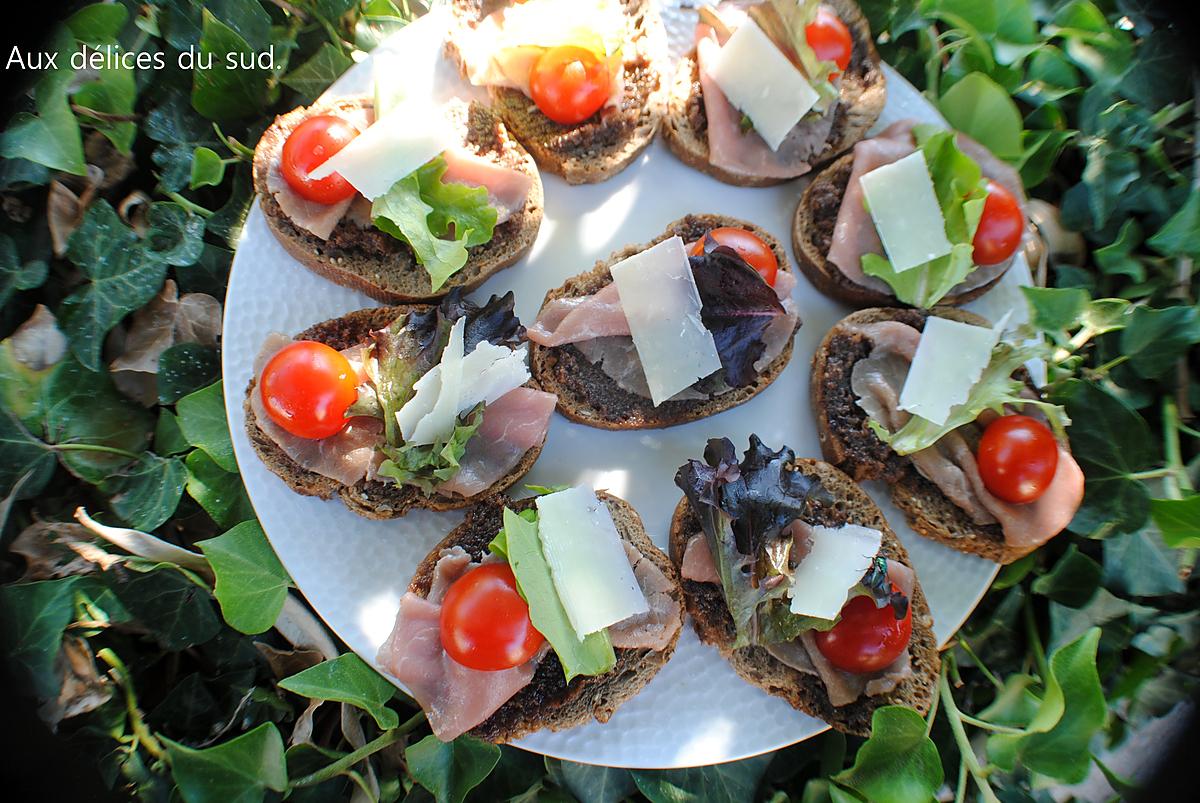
[161, 635]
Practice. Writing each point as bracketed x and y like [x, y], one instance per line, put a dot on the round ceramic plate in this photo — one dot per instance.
[353, 571]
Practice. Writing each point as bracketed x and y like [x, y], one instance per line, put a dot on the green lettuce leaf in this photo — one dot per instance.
[421, 210]
[961, 191]
[995, 389]
[401, 353]
[591, 655]
[429, 465]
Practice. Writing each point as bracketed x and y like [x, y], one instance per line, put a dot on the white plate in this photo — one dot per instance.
[353, 571]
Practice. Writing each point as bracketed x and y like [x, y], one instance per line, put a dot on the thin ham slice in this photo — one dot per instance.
[512, 425]
[854, 233]
[570, 320]
[454, 697]
[950, 463]
[344, 457]
[654, 629]
[507, 188]
[698, 564]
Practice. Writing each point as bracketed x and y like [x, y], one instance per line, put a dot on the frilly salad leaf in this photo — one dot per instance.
[786, 22]
[961, 191]
[520, 544]
[738, 306]
[743, 510]
[429, 465]
[996, 388]
[422, 210]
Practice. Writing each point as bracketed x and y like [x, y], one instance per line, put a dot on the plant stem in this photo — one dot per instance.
[95, 447]
[194, 208]
[1152, 474]
[960, 791]
[1179, 482]
[933, 709]
[965, 751]
[1035, 641]
[987, 673]
[988, 726]
[120, 676]
[374, 746]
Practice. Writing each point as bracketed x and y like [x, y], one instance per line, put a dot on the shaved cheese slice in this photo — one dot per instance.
[659, 296]
[408, 136]
[837, 561]
[906, 212]
[762, 83]
[949, 360]
[588, 564]
[457, 384]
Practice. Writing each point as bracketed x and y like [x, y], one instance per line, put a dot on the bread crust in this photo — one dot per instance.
[848, 442]
[549, 702]
[588, 396]
[713, 624]
[369, 499]
[377, 264]
[607, 142]
[812, 232]
[863, 95]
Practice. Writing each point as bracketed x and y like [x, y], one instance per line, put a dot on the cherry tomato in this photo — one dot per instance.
[569, 84]
[867, 638]
[485, 622]
[307, 148]
[830, 39]
[1017, 458]
[307, 387]
[756, 253]
[1000, 227]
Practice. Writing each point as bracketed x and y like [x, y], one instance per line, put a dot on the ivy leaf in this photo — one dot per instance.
[1179, 520]
[1155, 339]
[219, 492]
[898, 762]
[1069, 714]
[207, 168]
[179, 130]
[1137, 564]
[314, 76]
[220, 92]
[175, 235]
[34, 616]
[347, 679]
[451, 769]
[185, 368]
[52, 137]
[202, 419]
[23, 459]
[984, 111]
[722, 783]
[237, 771]
[1072, 581]
[98, 23]
[14, 275]
[83, 407]
[146, 494]
[168, 438]
[1015, 705]
[113, 91]
[251, 582]
[176, 610]
[593, 784]
[1116, 258]
[1181, 234]
[123, 276]
[1055, 309]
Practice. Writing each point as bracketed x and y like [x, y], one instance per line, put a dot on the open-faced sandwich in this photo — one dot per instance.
[393, 408]
[581, 83]
[697, 321]
[774, 88]
[399, 199]
[542, 613]
[940, 408]
[917, 215]
[790, 570]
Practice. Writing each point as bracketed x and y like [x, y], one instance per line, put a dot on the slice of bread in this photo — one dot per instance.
[848, 442]
[812, 235]
[863, 94]
[372, 261]
[589, 396]
[549, 702]
[608, 141]
[714, 625]
[368, 498]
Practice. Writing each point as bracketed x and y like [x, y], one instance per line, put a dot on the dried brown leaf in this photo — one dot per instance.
[38, 343]
[54, 549]
[285, 663]
[83, 688]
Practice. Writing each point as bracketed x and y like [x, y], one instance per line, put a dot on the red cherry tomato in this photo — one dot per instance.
[1000, 227]
[830, 39]
[307, 387]
[867, 638]
[569, 84]
[756, 253]
[1017, 458]
[485, 622]
[306, 148]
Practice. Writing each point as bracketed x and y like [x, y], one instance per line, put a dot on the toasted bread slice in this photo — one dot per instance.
[368, 498]
[587, 395]
[549, 702]
[812, 235]
[714, 625]
[373, 262]
[608, 141]
[848, 442]
[863, 94]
